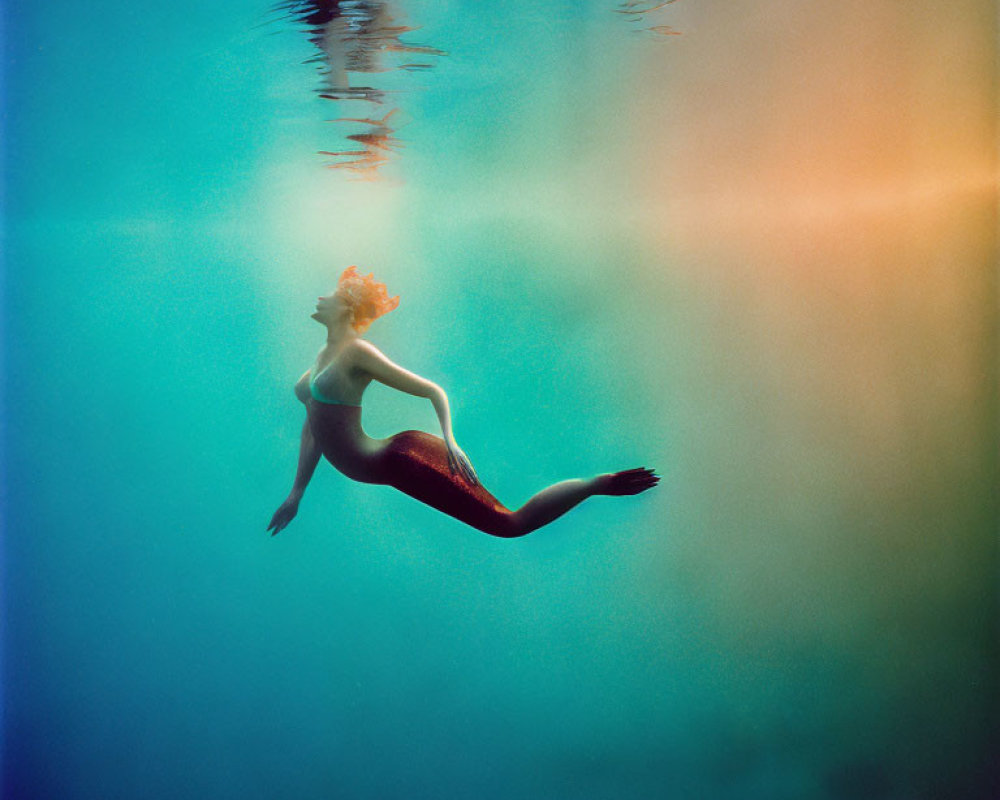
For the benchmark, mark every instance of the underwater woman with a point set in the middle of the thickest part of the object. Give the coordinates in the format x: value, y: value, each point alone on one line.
x: 432, y: 469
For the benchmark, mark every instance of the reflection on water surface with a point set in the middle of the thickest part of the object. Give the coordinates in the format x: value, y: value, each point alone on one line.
x: 364, y: 38
x: 361, y: 37
x: 636, y: 12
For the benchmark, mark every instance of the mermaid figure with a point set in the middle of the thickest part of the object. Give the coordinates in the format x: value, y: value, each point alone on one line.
x: 429, y: 468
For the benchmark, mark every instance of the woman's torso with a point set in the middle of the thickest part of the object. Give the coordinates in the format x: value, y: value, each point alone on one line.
x: 334, y: 379
x: 332, y: 392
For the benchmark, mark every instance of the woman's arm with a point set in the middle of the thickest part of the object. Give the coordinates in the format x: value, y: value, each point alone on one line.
x: 309, y: 454
x: 373, y: 361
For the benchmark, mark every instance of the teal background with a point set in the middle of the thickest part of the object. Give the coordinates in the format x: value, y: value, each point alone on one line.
x: 805, y: 607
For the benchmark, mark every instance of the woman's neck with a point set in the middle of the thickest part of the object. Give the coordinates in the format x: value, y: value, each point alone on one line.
x: 339, y: 335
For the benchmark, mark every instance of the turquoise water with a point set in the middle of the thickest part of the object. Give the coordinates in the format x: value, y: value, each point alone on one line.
x: 169, y: 225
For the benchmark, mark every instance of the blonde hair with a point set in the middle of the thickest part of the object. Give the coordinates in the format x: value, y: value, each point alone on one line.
x: 366, y: 296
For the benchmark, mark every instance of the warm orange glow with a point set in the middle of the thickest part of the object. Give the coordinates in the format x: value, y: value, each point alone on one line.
x: 780, y: 218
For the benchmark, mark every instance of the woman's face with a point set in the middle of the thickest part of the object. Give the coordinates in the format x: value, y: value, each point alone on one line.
x: 331, y: 308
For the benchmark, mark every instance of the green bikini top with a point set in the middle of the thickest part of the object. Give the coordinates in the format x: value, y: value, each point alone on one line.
x: 322, y: 398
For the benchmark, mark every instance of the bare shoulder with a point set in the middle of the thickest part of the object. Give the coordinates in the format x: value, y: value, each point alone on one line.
x: 368, y: 358
x: 363, y: 353
x: 364, y: 346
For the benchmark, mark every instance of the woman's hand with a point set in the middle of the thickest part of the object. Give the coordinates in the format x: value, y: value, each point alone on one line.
x: 286, y: 513
x: 459, y: 462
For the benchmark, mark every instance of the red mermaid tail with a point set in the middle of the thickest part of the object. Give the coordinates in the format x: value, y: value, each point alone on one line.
x: 417, y: 463
x: 414, y: 462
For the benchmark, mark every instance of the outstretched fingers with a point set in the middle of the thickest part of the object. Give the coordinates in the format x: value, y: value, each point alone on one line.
x: 281, y: 518
x: 464, y: 468
x: 470, y: 472
x: 459, y: 464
